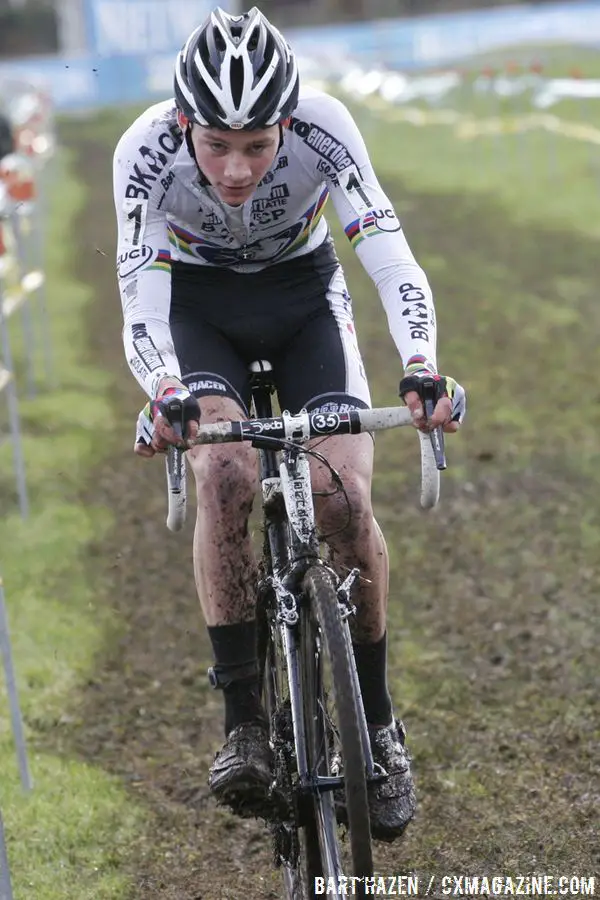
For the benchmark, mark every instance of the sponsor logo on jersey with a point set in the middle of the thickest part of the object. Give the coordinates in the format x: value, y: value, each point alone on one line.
x: 277, y: 198
x: 282, y: 163
x: 214, y: 226
x: 409, y: 293
x: 382, y: 219
x: 145, y: 348
x: 416, y: 310
x: 138, y: 366
x: 167, y: 181
x: 323, y: 143
x: 145, y: 173
x: 329, y: 171
x: 279, y: 191
x: 268, y: 178
x: 128, y: 263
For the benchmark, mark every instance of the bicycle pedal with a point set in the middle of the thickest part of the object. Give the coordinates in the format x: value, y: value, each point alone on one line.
x: 255, y: 804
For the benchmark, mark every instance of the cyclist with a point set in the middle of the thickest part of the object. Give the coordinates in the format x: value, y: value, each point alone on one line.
x: 225, y: 257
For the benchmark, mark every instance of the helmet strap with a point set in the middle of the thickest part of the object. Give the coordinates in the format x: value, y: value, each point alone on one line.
x: 190, y: 145
x: 282, y: 125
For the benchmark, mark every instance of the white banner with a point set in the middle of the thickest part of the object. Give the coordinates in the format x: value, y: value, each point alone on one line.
x: 130, y: 27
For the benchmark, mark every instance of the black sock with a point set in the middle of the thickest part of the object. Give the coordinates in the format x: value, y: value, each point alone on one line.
x: 235, y: 645
x: 371, y: 664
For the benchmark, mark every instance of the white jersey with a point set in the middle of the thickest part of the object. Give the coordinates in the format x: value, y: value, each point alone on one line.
x: 167, y: 211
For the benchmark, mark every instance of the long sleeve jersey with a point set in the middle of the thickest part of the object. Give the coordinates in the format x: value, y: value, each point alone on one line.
x: 167, y: 211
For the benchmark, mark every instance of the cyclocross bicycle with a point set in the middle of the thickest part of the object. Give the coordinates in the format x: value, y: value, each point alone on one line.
x: 309, y: 680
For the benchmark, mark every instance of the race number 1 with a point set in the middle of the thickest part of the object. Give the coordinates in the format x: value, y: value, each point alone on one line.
x: 354, y: 189
x: 134, y: 222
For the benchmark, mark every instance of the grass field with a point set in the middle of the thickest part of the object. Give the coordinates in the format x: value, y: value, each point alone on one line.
x: 493, y: 612
x: 539, y: 176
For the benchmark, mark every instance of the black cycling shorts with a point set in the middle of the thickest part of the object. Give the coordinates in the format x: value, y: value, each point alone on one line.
x: 296, y: 314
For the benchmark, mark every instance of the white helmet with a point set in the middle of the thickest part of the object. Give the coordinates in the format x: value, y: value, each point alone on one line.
x: 236, y: 72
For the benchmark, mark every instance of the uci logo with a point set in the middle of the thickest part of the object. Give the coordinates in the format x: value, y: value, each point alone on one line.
x: 128, y: 263
x: 385, y: 220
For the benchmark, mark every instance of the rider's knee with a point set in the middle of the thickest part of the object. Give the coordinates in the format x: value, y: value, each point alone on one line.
x: 347, y: 515
x: 225, y: 474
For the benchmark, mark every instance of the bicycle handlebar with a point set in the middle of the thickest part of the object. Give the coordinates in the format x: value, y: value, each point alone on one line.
x: 299, y: 429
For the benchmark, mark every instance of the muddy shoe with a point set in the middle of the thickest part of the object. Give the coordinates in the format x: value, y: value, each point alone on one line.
x: 242, y: 772
x: 392, y: 801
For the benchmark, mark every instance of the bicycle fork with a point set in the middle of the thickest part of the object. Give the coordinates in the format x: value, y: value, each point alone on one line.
x: 294, y: 486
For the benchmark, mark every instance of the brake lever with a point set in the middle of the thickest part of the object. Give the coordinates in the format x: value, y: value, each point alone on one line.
x: 437, y: 435
x: 175, y: 417
x: 175, y: 464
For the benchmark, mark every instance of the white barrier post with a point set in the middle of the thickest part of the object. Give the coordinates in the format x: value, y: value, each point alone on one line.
x: 13, y: 696
x: 37, y: 244
x: 5, y: 885
x: 20, y: 226
x: 7, y: 383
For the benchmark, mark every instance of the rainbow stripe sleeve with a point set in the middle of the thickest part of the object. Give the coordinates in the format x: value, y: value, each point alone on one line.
x: 162, y: 263
x: 361, y: 228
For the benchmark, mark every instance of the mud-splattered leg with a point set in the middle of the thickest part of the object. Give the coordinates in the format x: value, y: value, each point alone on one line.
x: 356, y: 540
x: 226, y: 482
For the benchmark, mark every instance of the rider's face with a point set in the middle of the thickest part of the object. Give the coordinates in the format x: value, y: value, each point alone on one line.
x: 235, y: 161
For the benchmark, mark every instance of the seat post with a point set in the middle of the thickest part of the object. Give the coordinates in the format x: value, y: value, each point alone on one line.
x: 261, y: 387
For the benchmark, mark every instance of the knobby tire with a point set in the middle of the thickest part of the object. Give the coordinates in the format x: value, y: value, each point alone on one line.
x: 320, y: 588
x: 321, y: 852
x: 296, y: 884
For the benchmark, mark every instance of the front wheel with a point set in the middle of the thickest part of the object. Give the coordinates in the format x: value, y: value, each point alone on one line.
x: 295, y: 845
x: 334, y: 727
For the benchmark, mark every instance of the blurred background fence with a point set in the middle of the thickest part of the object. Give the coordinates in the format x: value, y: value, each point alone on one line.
x: 26, y: 143
x: 25, y: 114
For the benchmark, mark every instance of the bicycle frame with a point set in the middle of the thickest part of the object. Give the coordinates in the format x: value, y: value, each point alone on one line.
x: 287, y: 500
